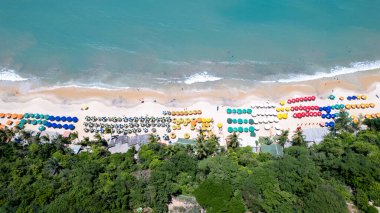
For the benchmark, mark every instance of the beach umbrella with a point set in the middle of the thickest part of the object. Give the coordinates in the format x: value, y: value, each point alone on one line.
x: 34, y: 122
x: 26, y: 115
x: 239, y: 111
x: 240, y: 121
x: 252, y: 134
x: 63, y: 119
x: 240, y: 129
x: 364, y: 97
x: 289, y: 101
x: 331, y: 97
x: 71, y: 127
x: 69, y: 119
x: 372, y: 105
x: 41, y: 128
x: 249, y: 111
x: 246, y: 129
x: 186, y: 136
x: 57, y: 118
x: 235, y: 129
x: 59, y: 126
x: 277, y: 127
x: 229, y: 120
x: 51, y: 118
x: 328, y: 116
x: 229, y: 111
x: 220, y: 125
x: 244, y: 111
x: 245, y: 121
x: 54, y: 125
x: 250, y: 121
x: 234, y: 111
x: 234, y: 121
x: 266, y: 127
x: 75, y: 119
x: 282, y: 102
x: 65, y: 126
x: 257, y: 128
x: 39, y: 121
x: 251, y: 129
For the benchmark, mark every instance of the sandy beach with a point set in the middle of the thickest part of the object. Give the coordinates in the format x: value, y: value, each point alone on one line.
x: 263, y: 99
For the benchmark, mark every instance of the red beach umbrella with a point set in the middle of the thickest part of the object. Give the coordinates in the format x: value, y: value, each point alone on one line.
x: 313, y: 98
x: 289, y: 101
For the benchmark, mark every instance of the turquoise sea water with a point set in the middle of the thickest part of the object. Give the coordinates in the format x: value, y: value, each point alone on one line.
x: 151, y: 43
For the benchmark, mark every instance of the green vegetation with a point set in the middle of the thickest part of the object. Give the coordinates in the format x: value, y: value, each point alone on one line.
x: 43, y: 175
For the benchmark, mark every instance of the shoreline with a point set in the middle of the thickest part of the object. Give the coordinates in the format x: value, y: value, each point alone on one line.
x: 213, y: 103
x: 175, y: 96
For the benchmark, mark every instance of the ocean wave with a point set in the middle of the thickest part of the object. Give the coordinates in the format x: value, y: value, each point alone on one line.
x: 201, y: 78
x: 212, y: 62
x: 10, y: 75
x: 335, y: 71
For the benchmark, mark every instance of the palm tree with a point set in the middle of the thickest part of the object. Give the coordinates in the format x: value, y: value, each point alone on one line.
x: 298, y: 138
x: 153, y: 138
x: 53, y: 166
x: 108, y: 131
x: 283, y: 137
x: 73, y: 136
x: 233, y: 141
x: 85, y: 141
x: 343, y: 122
x: 45, y: 138
x: 6, y: 134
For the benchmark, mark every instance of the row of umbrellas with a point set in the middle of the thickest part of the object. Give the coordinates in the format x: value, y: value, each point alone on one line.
x: 120, y: 131
x: 51, y: 117
x: 130, y: 125
x: 239, y: 111
x: 128, y: 119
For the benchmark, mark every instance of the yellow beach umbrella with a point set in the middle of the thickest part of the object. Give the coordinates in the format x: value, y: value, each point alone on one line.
x: 278, y: 109
x: 372, y: 105
x: 348, y: 106
x: 174, y: 127
x: 279, y: 116
x: 285, y: 116
x: 178, y: 127
x: 287, y: 109
x: 356, y: 120
x: 353, y: 106
x: 172, y: 135
x: 362, y: 106
x: 367, y: 115
x: 373, y: 115
x: 378, y: 115
x: 282, y: 102
x: 192, y: 128
x: 341, y: 98
x: 220, y: 125
x: 186, y: 136
x: 364, y: 97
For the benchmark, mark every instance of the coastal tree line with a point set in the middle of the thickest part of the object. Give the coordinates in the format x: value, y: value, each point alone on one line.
x: 43, y: 175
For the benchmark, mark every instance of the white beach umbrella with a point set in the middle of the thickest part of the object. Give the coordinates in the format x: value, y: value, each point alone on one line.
x: 257, y: 128
x: 266, y: 127
x: 276, y: 120
x: 271, y: 120
x: 277, y: 127
x: 278, y: 132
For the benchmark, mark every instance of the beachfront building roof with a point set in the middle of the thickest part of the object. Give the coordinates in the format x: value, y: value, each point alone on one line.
x: 274, y: 149
x: 119, y: 148
x: 130, y: 140
x: 315, y: 135
x: 75, y: 148
x: 184, y: 141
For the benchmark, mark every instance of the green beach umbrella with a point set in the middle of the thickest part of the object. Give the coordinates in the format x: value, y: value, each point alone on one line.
x: 251, y: 121
x: 230, y: 129
x: 44, y: 122
x: 239, y: 111
x: 245, y: 121
x: 23, y: 121
x: 21, y: 126
x: 240, y: 129
x: 249, y: 111
x: 240, y: 121
x: 235, y: 129
x: 229, y: 111
x: 41, y: 128
x: 46, y: 116
x: 234, y: 121
x: 34, y: 122
x: 337, y: 106
x: 229, y: 120
x: 332, y: 97
x: 253, y: 134
x: 332, y: 106
x: 234, y: 111
x: 37, y: 116
x: 39, y: 121
x: 245, y: 129
x: 31, y: 115
x: 244, y: 111
x: 251, y: 129
x: 26, y: 115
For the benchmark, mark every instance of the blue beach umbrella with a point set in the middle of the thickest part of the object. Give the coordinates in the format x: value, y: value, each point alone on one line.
x: 323, y: 116
x: 75, y: 119
x: 63, y: 118
x: 51, y: 118
x: 34, y: 122
x: 71, y: 127
x: 328, y: 116
x: 65, y: 126
x: 57, y: 118
x: 48, y: 124
x: 59, y: 126
x: 69, y: 119
x: 54, y: 125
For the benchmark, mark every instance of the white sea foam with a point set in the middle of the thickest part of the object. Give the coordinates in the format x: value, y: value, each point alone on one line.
x: 335, y: 71
x: 10, y: 75
x: 201, y: 78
